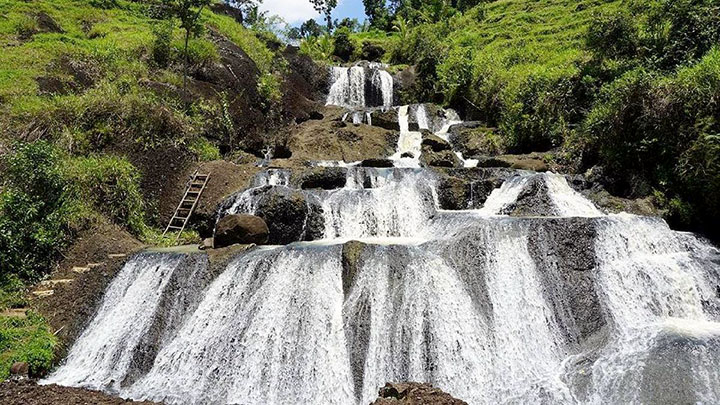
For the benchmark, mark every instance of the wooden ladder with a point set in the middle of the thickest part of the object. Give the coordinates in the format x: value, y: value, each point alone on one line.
x: 188, y: 203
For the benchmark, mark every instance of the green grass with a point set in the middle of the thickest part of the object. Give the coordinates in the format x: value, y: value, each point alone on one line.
x: 28, y: 340
x: 117, y: 41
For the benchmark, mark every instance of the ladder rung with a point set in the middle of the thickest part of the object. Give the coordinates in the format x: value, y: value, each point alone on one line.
x: 180, y: 218
x: 174, y: 227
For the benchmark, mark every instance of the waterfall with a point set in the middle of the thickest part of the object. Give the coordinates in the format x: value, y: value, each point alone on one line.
x: 361, y: 86
x: 574, y: 308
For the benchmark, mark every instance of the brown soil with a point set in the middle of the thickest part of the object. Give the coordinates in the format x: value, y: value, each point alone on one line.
x: 30, y: 393
x: 72, y: 304
x: 225, y: 179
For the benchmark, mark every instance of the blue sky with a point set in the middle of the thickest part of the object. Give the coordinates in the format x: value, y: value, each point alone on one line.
x: 298, y: 11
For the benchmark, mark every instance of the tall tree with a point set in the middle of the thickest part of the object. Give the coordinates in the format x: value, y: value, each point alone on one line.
x: 325, y: 7
x: 377, y: 13
x: 188, y: 12
x: 310, y: 28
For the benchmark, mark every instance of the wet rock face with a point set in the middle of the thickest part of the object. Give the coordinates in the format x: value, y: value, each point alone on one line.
x: 468, y: 188
x: 564, y: 252
x: 351, y: 253
x: 326, y: 178
x: 380, y: 163
x: 414, y: 394
x: 290, y: 215
x: 444, y: 158
x: 533, y: 200
x: 389, y: 120
x: 434, y: 142
x: 241, y: 229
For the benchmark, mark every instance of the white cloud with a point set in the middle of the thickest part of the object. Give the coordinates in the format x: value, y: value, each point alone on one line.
x: 292, y: 11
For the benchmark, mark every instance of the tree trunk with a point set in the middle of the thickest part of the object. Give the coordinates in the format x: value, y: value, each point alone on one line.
x: 186, y: 59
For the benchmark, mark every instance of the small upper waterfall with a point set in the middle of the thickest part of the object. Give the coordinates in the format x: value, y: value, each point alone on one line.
x: 367, y: 85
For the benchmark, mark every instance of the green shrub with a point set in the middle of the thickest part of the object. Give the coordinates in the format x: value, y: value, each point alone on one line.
x: 201, y: 53
x: 613, y: 36
x: 162, y: 50
x: 36, y: 213
x: 111, y: 185
x: 26, y: 339
x: 617, y: 132
x: 343, y: 46
x: 269, y: 87
x: 204, y: 149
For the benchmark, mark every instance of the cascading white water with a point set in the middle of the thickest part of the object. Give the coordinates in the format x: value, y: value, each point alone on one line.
x: 348, y: 87
x: 382, y: 80
x: 409, y: 147
x: 572, y: 307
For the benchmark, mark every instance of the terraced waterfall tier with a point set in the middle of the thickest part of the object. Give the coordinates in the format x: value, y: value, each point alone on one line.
x: 562, y: 305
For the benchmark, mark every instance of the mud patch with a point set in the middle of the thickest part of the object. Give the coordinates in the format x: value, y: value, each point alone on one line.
x: 30, y: 393
x: 91, y: 263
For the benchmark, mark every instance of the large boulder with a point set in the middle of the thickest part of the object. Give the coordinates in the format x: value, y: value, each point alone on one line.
x: 468, y: 188
x: 332, y: 139
x: 474, y: 140
x: 414, y: 394
x: 389, y: 120
x: 434, y: 142
x: 291, y: 215
x: 241, y: 229
x: 445, y: 158
x: 455, y: 193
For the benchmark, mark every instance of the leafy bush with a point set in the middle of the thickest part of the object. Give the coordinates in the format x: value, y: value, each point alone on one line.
x: 111, y: 185
x: 613, y: 36
x: 319, y: 48
x: 162, y: 44
x: 204, y: 149
x: 47, y: 197
x: 35, y: 212
x: 343, y: 46
x: 26, y: 339
x: 201, y: 53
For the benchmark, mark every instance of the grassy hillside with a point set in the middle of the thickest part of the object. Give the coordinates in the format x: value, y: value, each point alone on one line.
x: 92, y: 105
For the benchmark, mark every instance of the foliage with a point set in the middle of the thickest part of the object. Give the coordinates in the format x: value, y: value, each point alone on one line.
x: 161, y: 48
x: 343, y: 46
x: 111, y: 185
x: 311, y: 28
x: 26, y: 339
x: 319, y: 48
x: 325, y: 7
x: 47, y: 196
x: 35, y: 212
x: 204, y: 150
x: 189, y: 13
